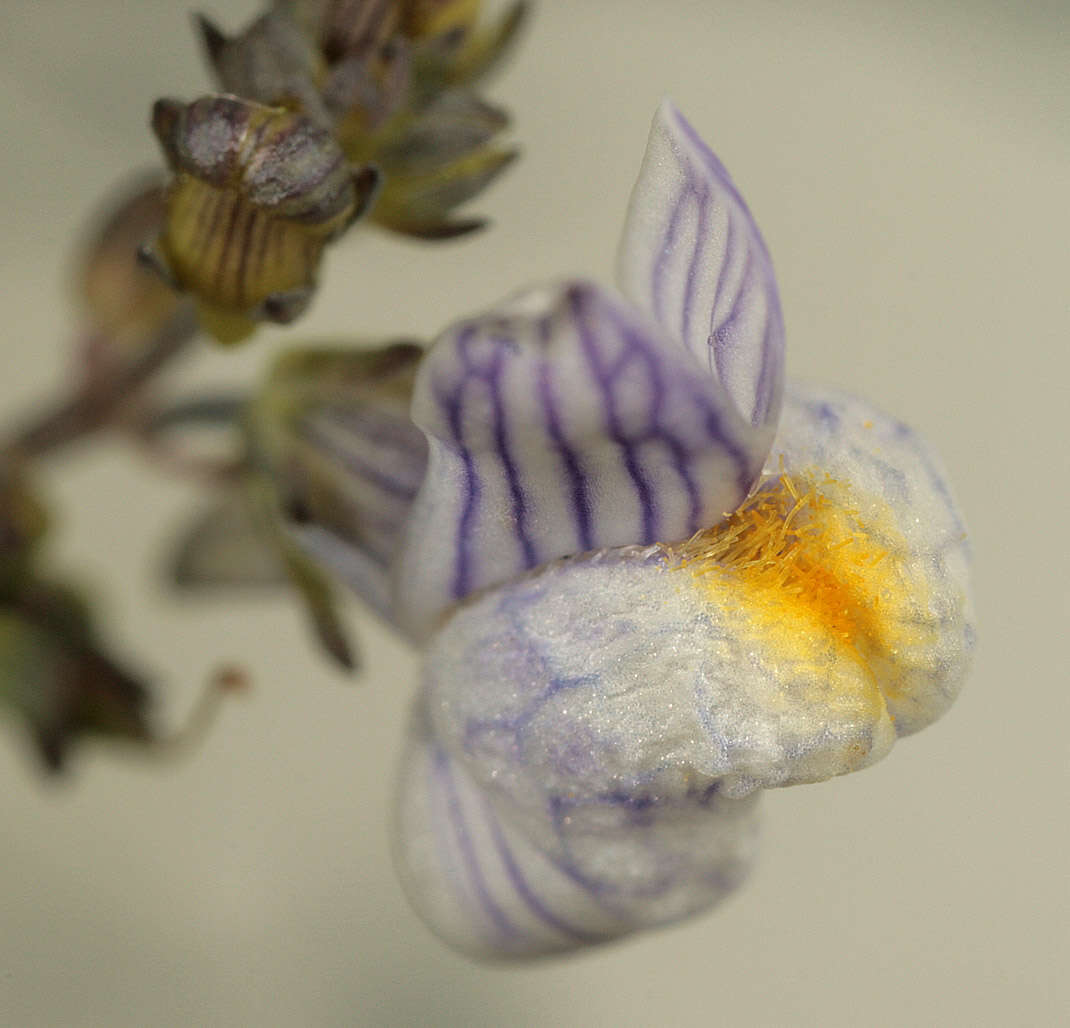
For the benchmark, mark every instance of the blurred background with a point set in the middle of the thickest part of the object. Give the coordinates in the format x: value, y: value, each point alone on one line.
x: 909, y: 164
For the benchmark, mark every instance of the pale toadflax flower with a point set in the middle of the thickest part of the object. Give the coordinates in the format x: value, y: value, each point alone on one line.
x: 648, y: 580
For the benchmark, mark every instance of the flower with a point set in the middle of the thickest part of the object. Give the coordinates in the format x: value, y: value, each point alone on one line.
x: 649, y: 580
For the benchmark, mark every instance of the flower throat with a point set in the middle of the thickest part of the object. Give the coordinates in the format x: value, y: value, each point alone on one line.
x: 797, y: 547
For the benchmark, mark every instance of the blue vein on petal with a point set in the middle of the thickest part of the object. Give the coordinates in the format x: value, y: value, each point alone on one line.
x: 519, y: 723
x: 442, y: 820
x: 608, y: 896
x: 937, y: 482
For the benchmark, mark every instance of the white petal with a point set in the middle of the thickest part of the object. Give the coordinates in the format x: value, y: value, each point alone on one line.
x: 692, y: 257
x: 586, y: 875
x: 624, y: 672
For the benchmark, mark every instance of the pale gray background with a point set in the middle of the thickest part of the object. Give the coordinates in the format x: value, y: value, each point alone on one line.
x: 909, y: 164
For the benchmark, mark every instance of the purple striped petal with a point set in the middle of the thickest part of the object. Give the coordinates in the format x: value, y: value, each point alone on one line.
x: 560, y: 423
x: 331, y: 431
x: 374, y: 461
x: 692, y: 257
x: 576, y: 877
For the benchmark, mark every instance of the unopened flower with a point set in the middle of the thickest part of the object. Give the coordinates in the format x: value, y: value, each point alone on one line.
x: 319, y: 414
x: 390, y: 82
x: 323, y: 409
x: 330, y: 432
x: 257, y: 194
x: 271, y: 61
x: 452, y: 40
x: 342, y: 28
x: 649, y: 582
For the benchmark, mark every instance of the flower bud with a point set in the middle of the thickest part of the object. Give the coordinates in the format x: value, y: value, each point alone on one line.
x: 436, y: 161
x: 257, y: 194
x: 330, y: 431
x: 342, y: 28
x: 272, y: 61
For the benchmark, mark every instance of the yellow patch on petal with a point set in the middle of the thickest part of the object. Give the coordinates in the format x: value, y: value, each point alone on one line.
x: 809, y: 568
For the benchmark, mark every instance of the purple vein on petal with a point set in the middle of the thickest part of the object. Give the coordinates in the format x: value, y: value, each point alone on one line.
x: 680, y: 466
x: 717, y: 296
x: 720, y: 172
x: 702, y: 202
x: 721, y: 334
x: 667, y: 248
x: 376, y: 476
x: 747, y: 465
x: 501, y: 441
x: 577, y: 482
x: 472, y: 866
x: 725, y: 280
x: 604, y: 378
x: 526, y: 893
x: 453, y: 404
